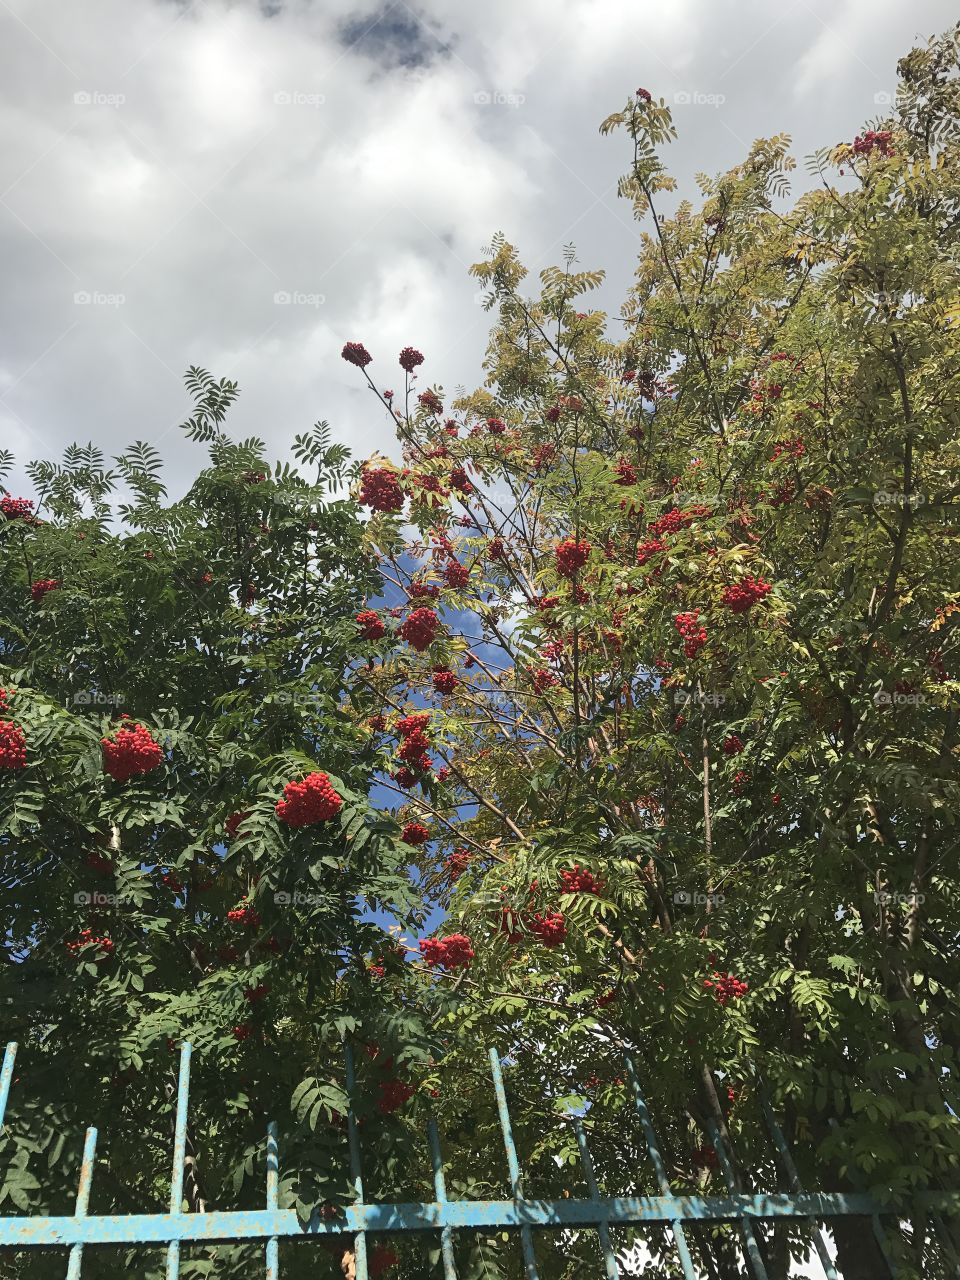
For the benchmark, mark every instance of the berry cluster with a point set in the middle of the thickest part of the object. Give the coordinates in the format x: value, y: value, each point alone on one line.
x: 580, y: 880
x: 571, y: 556
x: 16, y: 508
x: 431, y: 401
x: 415, y: 833
x: 393, y: 1094
x: 382, y: 1258
x: 675, y: 519
x: 356, y: 353
x: 453, y: 952
x: 444, y: 681
x: 40, y: 588
x: 459, y: 481
x: 371, y: 625
x: 648, y: 549
x: 409, y: 359
x: 542, y: 680
x: 309, y: 801
x: 732, y: 744
x: 380, y: 489
x: 740, y: 780
x: 232, y: 824
x: 241, y: 1031
x: 243, y: 914
x: 456, y: 574
x: 551, y: 929
x: 496, y: 426
x: 88, y: 938
x: 644, y: 95
x: 130, y: 753
x: 794, y: 448
x: 544, y: 454
x: 456, y: 863
x: 626, y: 471
x: 693, y: 634
x: 726, y: 988
x: 743, y: 595
x: 873, y: 140
x: 420, y: 629
x: 13, y: 746
x: 254, y: 994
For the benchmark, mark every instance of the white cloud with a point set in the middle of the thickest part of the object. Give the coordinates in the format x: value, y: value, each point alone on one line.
x: 338, y: 149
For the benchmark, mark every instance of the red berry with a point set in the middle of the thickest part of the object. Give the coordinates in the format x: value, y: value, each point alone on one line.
x: 356, y: 353
x: 130, y: 753
x: 371, y: 625
x: 312, y: 800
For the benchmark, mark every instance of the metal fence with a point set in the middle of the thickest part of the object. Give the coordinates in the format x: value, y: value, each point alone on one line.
x: 270, y: 1224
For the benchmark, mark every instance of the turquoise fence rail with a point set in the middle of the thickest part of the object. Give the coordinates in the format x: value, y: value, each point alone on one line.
x: 271, y: 1224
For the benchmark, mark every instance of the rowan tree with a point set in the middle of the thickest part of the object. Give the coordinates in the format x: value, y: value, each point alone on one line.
x: 188, y: 848
x: 668, y: 680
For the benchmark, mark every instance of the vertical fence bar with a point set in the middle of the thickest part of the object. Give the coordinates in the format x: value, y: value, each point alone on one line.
x: 83, y: 1199
x: 179, y: 1156
x: 356, y: 1172
x: 750, y: 1246
x: 679, y: 1235
x: 6, y: 1077
x: 273, y: 1198
x: 609, y: 1258
x: 780, y: 1142
x: 440, y: 1191
x: 516, y: 1182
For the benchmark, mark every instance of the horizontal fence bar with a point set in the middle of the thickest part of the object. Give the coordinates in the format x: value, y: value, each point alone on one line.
x: 257, y: 1224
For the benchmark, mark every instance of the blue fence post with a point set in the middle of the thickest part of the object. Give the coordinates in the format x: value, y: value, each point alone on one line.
x: 679, y: 1235
x: 83, y: 1199
x: 273, y: 1199
x: 356, y: 1172
x: 516, y: 1182
x: 440, y: 1191
x: 6, y: 1076
x: 750, y: 1246
x: 609, y: 1257
x: 179, y: 1157
x: 780, y: 1142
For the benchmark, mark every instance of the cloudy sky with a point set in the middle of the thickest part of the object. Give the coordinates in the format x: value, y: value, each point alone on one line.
x: 246, y: 186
